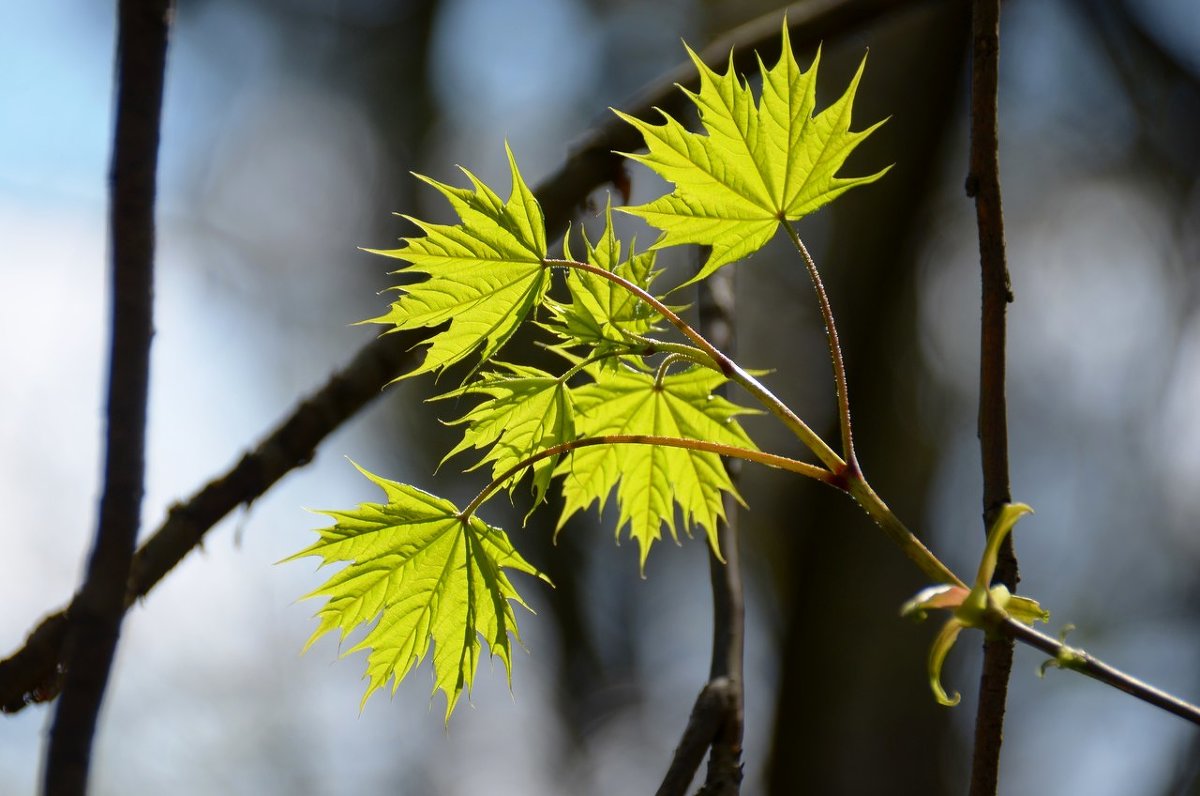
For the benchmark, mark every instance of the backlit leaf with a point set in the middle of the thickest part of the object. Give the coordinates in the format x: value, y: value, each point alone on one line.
x: 757, y: 165
x: 527, y: 411
x: 651, y: 480
x: 601, y: 313
x: 421, y: 578
x: 485, y: 274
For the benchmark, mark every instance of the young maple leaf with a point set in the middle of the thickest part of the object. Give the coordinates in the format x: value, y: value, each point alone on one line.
x: 652, y: 479
x: 758, y: 165
x: 424, y: 577
x: 528, y: 410
x: 485, y: 274
x: 601, y: 313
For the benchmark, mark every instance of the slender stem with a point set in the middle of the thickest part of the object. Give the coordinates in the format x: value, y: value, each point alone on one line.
x: 682, y: 350
x: 835, y: 349
x: 983, y: 183
x: 724, y: 364
x: 565, y: 377
x: 665, y: 365
x: 666, y: 312
x: 784, y: 414
x: 767, y: 459
x: 1077, y: 660
x: 94, y: 623
x: 895, y: 530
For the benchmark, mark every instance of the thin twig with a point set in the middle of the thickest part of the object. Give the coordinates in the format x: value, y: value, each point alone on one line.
x: 93, y: 627
x: 719, y: 361
x: 898, y: 532
x: 983, y: 183
x: 724, y: 777
x: 709, y: 710
x: 1075, y: 659
x: 835, y: 349
x: 703, y: 446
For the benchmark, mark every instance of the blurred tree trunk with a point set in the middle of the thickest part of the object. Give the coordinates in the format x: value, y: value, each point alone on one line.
x: 852, y: 713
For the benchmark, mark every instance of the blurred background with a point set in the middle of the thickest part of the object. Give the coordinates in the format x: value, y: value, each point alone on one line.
x: 290, y: 130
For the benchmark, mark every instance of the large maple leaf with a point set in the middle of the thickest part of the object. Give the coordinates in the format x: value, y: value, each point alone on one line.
x: 485, y: 274
x: 757, y: 166
x: 425, y: 578
x: 652, y: 479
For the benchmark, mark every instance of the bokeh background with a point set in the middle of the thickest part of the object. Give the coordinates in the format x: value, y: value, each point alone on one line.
x: 290, y: 130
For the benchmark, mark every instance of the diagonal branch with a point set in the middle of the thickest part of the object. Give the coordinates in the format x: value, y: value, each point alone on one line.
x: 92, y: 629
x: 33, y: 672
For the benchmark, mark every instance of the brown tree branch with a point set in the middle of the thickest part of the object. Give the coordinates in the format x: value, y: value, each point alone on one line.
x: 1077, y: 660
x: 724, y: 777
x: 704, y: 724
x: 92, y: 629
x: 32, y: 673
x: 983, y: 183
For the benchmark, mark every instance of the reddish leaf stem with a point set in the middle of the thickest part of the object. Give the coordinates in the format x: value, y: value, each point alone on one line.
x: 767, y: 459
x: 835, y: 348
x: 719, y: 361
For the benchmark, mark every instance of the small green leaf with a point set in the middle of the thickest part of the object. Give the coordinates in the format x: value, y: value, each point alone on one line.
x: 757, y: 166
x: 1009, y: 514
x: 485, y: 274
x: 602, y: 314
x: 937, y: 656
x: 528, y: 411
x: 980, y: 607
x: 425, y: 578
x: 650, y: 479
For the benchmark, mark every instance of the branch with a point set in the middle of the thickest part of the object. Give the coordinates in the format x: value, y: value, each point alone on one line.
x: 983, y: 183
x: 1064, y: 656
x: 711, y: 707
x: 92, y: 629
x: 724, y: 778
x: 32, y: 673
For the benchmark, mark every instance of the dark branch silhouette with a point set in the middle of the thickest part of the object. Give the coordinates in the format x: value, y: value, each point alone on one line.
x: 983, y: 183
x: 93, y: 626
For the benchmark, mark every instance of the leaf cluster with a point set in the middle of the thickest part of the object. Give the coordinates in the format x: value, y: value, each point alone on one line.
x: 632, y: 412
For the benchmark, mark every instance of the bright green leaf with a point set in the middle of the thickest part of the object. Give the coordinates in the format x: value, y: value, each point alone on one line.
x: 527, y: 411
x: 601, y: 313
x: 424, y: 578
x: 757, y: 166
x: 650, y: 479
x: 979, y: 607
x: 937, y: 656
x: 485, y: 274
